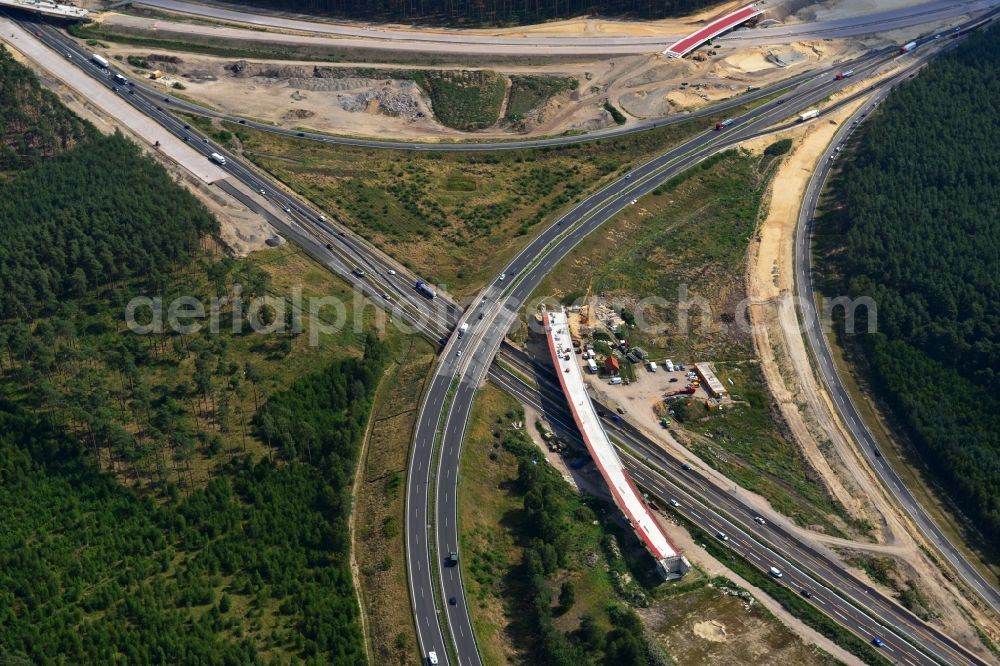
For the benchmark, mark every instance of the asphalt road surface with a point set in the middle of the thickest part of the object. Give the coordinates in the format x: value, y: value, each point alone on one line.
x: 805, y: 567
x: 462, y: 42
x: 448, y: 403
x: 465, y: 147
x: 850, y: 416
x: 432, y: 318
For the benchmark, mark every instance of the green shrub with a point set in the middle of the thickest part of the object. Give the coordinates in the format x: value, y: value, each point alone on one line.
x: 617, y: 115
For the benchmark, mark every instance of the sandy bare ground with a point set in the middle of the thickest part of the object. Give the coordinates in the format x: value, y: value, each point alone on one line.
x: 290, y: 93
x: 589, y: 480
x: 805, y: 405
x: 694, y: 552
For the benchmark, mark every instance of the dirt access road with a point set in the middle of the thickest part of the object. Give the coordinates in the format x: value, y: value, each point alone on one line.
x: 805, y: 405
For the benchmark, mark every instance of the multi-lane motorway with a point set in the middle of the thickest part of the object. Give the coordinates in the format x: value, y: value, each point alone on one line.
x: 832, y: 589
x: 815, y: 334
x: 432, y: 484
x: 432, y: 531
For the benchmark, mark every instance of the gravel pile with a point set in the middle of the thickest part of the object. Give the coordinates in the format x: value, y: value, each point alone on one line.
x: 396, y: 103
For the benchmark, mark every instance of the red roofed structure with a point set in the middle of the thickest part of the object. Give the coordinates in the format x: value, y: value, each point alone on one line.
x: 713, y: 29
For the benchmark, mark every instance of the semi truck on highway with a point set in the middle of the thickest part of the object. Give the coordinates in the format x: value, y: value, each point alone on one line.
x: 843, y: 75
x: 812, y: 113
x: 218, y: 159
x: 906, y: 48
x: 99, y: 60
x: 424, y: 290
x: 120, y: 79
x: 724, y: 124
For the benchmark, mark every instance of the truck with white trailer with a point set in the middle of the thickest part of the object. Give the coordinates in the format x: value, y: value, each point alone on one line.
x: 100, y: 60
x: 218, y: 159
x: 906, y: 48
x: 425, y: 290
x: 808, y: 115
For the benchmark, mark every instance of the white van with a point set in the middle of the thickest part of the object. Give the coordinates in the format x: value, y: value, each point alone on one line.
x: 775, y: 572
x: 615, y: 380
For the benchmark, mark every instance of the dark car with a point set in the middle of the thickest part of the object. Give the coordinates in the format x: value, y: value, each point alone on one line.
x: 452, y: 601
x: 300, y: 134
x: 242, y: 122
x: 452, y: 559
x: 187, y: 127
x: 686, y: 467
x: 329, y: 246
x: 807, y: 594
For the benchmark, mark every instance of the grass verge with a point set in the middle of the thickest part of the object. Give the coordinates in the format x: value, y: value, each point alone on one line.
x: 675, y: 261
x: 379, y: 517
x: 788, y: 599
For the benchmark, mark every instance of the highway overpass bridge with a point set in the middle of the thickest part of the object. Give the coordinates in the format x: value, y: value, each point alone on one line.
x: 720, y: 25
x: 46, y: 8
x: 669, y: 562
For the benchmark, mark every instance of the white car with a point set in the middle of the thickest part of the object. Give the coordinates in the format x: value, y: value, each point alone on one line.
x: 432, y: 658
x: 633, y: 201
x: 322, y: 218
x: 287, y: 209
x: 674, y: 503
x: 459, y: 354
x: 262, y: 192
x: 759, y: 520
x: 503, y: 276
x: 392, y: 272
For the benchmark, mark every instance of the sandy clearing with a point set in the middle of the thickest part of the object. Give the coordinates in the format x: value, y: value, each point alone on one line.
x: 806, y: 406
x: 579, y: 26
x: 589, y: 480
x: 645, y: 86
x: 682, y: 539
